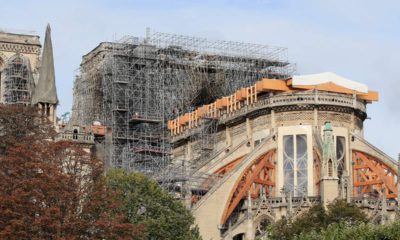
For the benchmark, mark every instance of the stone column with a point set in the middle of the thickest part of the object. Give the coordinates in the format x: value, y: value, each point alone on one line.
x: 228, y: 137
x: 315, y: 117
x: 289, y: 206
x: 250, y: 235
x: 249, y: 133
x: 189, y: 152
x: 273, y: 121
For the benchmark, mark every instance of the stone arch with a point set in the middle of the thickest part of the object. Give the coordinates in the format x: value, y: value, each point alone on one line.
x: 263, y: 216
x: 261, y: 222
x: 75, y: 134
x: 239, y: 236
x: 372, y: 175
x: 260, y: 173
x: 17, y: 81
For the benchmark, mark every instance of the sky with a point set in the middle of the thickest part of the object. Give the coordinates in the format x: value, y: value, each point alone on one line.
x: 356, y: 39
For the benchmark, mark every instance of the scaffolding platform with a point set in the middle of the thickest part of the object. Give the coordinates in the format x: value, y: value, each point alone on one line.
x: 139, y: 119
x: 134, y: 85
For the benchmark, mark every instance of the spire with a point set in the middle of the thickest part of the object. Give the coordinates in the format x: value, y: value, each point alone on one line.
x: 45, y: 91
x: 329, y: 160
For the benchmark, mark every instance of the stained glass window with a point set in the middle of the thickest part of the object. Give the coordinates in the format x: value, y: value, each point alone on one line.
x: 341, y: 154
x: 288, y: 162
x: 301, y: 162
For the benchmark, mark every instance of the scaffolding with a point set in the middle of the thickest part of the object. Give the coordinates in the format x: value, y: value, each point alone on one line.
x: 134, y: 85
x: 17, y: 81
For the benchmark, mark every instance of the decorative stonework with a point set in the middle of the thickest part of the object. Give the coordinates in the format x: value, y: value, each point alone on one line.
x: 293, y: 117
x: 10, y: 47
x: 3, y: 60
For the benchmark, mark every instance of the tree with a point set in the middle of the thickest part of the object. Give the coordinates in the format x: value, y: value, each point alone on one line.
x: 52, y: 190
x: 341, y: 211
x: 317, y: 219
x: 344, y: 231
x: 146, y: 203
x: 22, y: 123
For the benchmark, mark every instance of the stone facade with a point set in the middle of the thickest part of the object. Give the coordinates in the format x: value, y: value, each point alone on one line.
x: 25, y: 47
x: 311, y: 164
x: 26, y: 77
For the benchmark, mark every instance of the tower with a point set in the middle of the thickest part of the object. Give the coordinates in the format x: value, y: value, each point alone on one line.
x: 329, y: 175
x: 19, y: 66
x: 45, y: 93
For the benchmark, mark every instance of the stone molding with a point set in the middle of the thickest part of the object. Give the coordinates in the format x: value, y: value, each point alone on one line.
x: 11, y: 47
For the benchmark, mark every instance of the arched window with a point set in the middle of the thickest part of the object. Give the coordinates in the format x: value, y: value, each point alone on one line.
x: 341, y: 154
x: 330, y: 168
x: 75, y: 134
x: 17, y: 82
x: 295, y: 163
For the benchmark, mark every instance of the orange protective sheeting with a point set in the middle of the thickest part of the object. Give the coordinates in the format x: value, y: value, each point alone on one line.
x: 370, y: 96
x: 184, y: 119
x: 240, y: 94
x: 327, y: 87
x: 271, y: 85
x: 201, y: 111
x: 222, y: 102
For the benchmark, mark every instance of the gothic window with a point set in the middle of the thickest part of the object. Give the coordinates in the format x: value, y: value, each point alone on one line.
x: 288, y: 162
x: 341, y: 154
x: 330, y: 168
x: 75, y: 134
x: 295, y: 163
x: 301, y: 159
x: 17, y: 80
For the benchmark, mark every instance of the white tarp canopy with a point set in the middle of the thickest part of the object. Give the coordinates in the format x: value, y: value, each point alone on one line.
x: 326, y: 77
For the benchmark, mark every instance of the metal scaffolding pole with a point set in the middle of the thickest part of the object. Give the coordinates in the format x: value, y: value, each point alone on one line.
x: 134, y: 85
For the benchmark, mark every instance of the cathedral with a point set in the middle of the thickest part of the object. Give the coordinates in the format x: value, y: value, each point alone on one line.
x: 27, y: 72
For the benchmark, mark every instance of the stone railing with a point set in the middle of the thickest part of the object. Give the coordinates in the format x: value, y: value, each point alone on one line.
x: 307, y: 98
x: 76, y: 137
x: 372, y: 203
x: 284, y: 99
x: 277, y: 202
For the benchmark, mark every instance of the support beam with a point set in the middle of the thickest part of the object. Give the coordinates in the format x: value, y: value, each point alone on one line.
x: 257, y: 175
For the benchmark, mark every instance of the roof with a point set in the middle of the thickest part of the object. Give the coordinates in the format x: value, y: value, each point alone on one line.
x: 19, y: 37
x: 45, y: 91
x: 328, y: 77
x: 324, y: 82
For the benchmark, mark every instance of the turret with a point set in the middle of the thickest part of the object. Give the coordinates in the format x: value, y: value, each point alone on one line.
x: 329, y: 175
x: 329, y: 158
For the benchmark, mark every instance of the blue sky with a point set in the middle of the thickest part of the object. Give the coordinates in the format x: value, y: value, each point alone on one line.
x: 356, y: 39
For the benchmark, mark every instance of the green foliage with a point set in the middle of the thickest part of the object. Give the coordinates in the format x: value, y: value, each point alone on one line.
x: 316, y: 219
x: 147, y: 204
x: 340, y: 211
x: 344, y: 231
